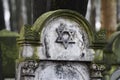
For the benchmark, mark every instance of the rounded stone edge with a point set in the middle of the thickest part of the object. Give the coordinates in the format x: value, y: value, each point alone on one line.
x: 40, y: 22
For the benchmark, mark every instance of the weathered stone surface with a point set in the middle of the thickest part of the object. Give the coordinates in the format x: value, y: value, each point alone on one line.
x: 63, y: 48
x: 79, y: 50
x: 52, y: 70
x: 62, y: 71
x: 116, y: 75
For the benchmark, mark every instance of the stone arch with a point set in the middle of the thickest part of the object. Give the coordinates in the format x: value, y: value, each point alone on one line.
x: 40, y: 22
x: 46, y: 26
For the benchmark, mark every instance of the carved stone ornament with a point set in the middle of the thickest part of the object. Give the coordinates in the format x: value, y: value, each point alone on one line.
x: 97, y: 71
x: 29, y: 68
x: 65, y: 36
x: 101, y: 35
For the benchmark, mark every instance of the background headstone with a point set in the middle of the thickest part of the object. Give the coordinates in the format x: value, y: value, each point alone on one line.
x: 9, y: 54
x: 112, y: 62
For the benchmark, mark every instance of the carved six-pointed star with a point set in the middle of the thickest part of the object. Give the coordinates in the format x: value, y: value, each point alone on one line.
x: 65, y: 36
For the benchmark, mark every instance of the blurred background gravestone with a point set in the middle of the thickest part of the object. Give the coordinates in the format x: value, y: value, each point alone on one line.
x: 9, y: 53
x: 112, y: 62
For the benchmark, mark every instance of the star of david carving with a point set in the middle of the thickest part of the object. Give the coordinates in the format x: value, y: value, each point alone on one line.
x: 65, y: 36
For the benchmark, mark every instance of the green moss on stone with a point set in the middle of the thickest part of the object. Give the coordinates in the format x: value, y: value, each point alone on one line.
x: 9, y: 52
x: 6, y: 33
x: 9, y: 55
x: 27, y: 34
x: 35, y: 54
x: 98, y: 56
x: 112, y: 49
x: 110, y: 58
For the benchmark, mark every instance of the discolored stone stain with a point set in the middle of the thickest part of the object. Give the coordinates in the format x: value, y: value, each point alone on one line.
x: 47, y: 48
x: 59, y: 71
x: 42, y: 66
x: 66, y: 72
x: 83, y: 54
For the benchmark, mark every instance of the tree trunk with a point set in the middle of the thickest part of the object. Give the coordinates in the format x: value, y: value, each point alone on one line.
x: 2, y: 23
x: 0, y: 64
x: 13, y: 15
x: 108, y: 16
x: 92, y: 13
x: 42, y: 6
x: 29, y: 10
x: 21, y: 13
x: 2, y: 26
x: 118, y: 11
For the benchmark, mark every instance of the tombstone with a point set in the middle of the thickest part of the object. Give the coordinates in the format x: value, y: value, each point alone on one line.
x: 9, y: 53
x: 56, y: 47
x: 112, y: 57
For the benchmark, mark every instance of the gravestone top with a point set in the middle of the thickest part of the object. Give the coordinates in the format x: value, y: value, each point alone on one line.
x: 41, y: 21
x: 62, y: 34
x: 6, y: 33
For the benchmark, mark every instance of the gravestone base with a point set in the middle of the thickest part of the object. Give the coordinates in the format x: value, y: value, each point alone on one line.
x: 55, y: 70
